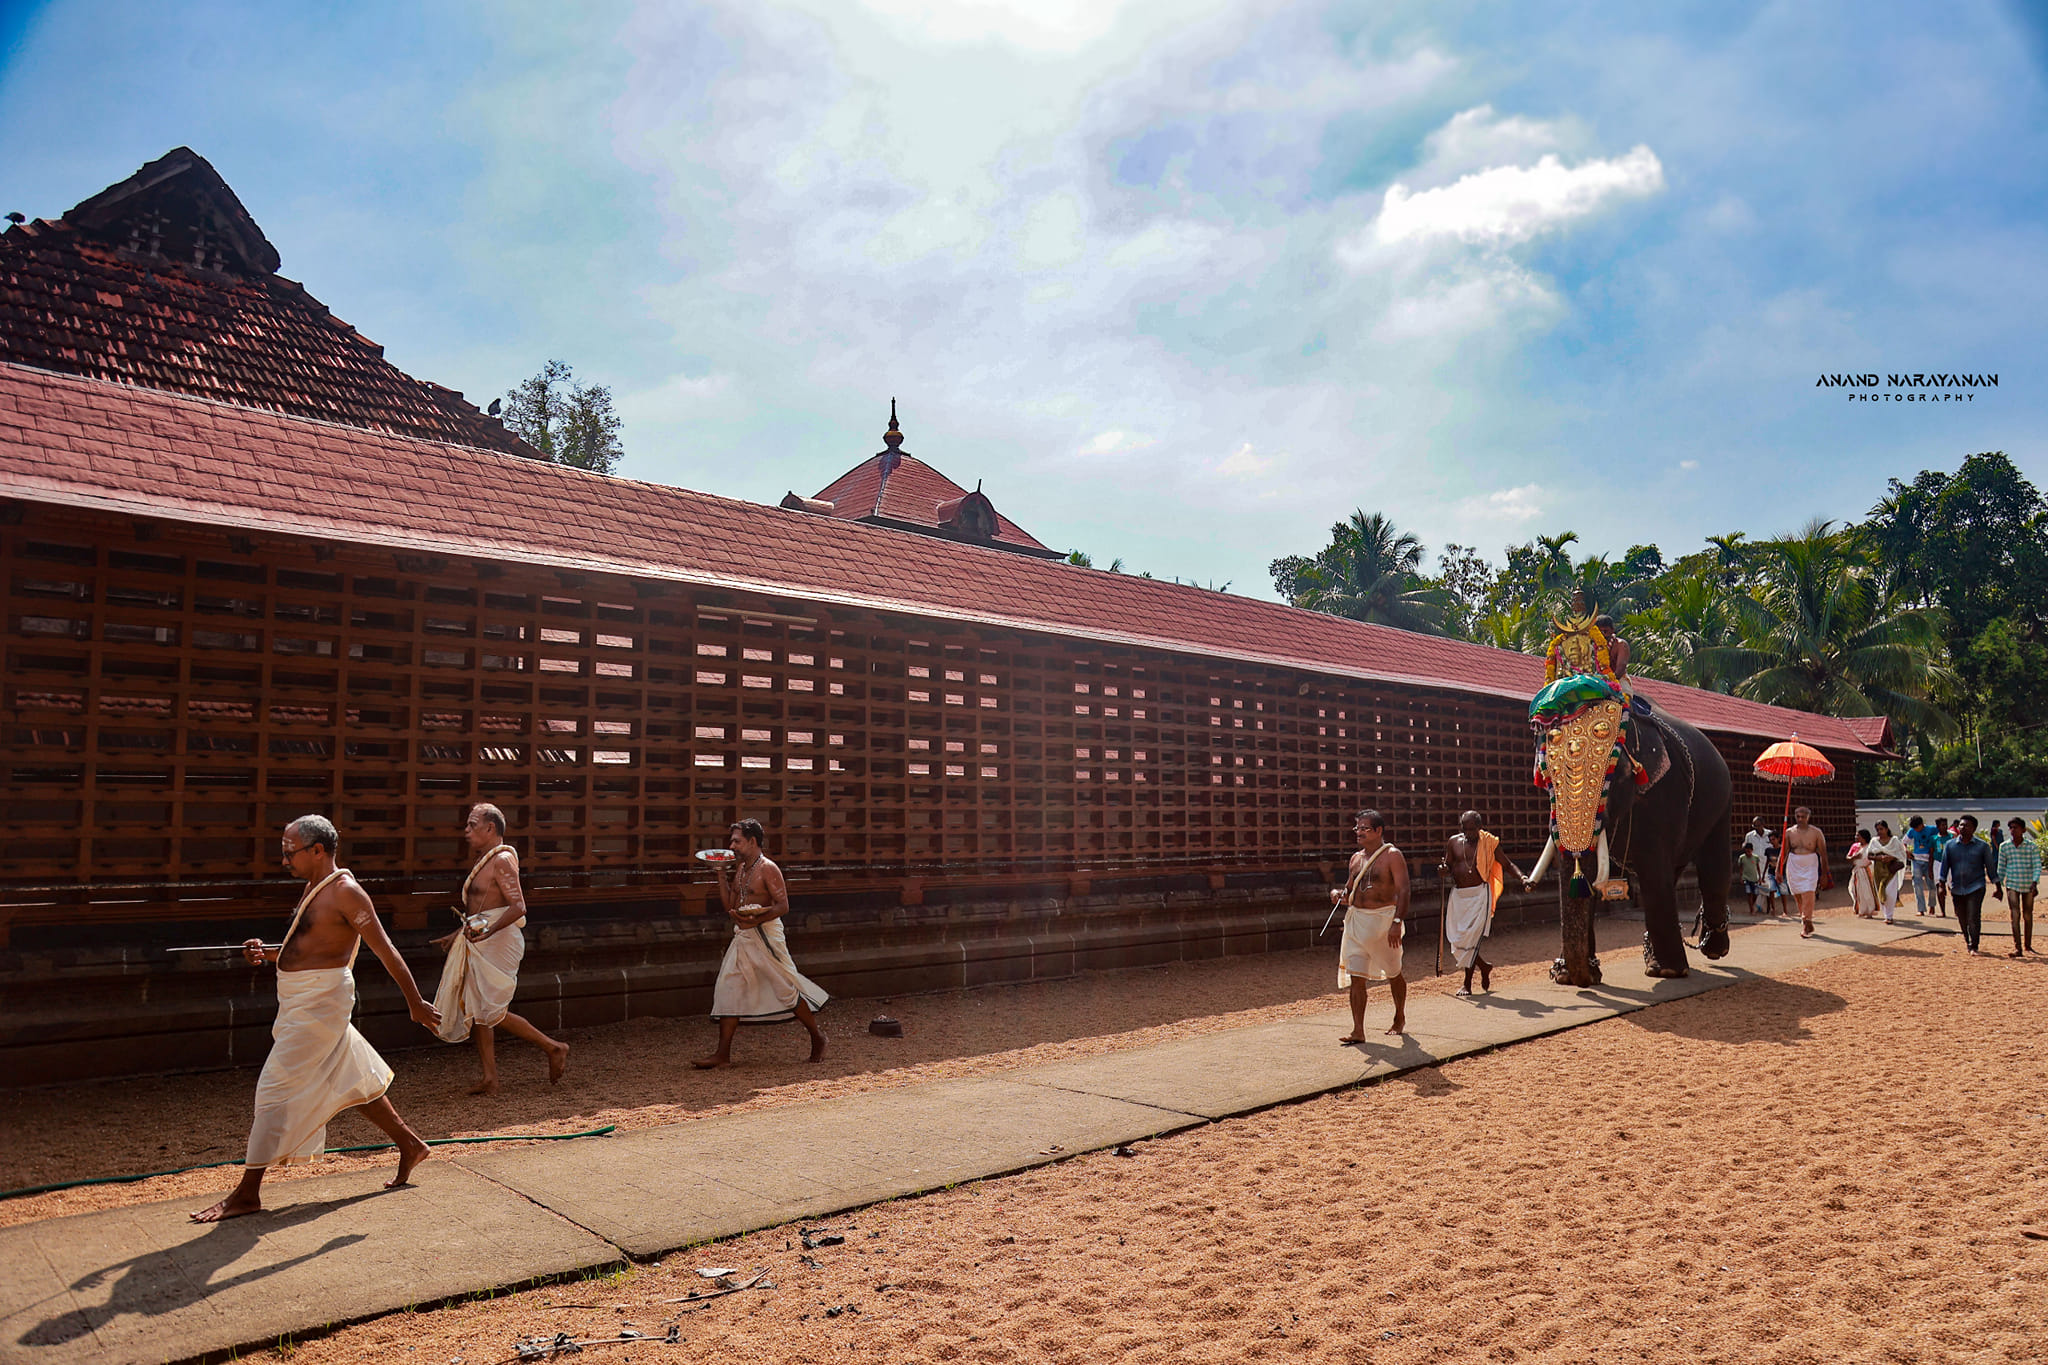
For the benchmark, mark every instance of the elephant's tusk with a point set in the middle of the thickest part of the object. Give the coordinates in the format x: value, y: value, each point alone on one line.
x: 1602, y: 879
x: 1543, y: 863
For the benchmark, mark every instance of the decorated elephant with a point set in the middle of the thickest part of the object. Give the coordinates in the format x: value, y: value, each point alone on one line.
x: 1635, y: 790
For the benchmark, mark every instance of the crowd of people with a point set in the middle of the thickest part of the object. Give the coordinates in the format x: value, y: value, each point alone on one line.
x: 1947, y: 867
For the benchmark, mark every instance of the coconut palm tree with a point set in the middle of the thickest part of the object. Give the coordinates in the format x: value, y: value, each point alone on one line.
x: 1521, y: 626
x: 1671, y: 639
x: 1370, y: 571
x: 1822, y: 633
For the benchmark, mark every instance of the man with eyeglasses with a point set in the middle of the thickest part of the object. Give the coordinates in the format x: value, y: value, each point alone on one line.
x: 318, y: 1064
x: 477, y: 984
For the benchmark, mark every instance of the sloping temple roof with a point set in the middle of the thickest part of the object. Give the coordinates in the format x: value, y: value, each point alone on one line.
x: 165, y: 281
x: 89, y: 443
x: 895, y: 488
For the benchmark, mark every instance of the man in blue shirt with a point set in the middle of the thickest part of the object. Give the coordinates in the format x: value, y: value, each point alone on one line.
x: 1920, y: 839
x: 1968, y: 860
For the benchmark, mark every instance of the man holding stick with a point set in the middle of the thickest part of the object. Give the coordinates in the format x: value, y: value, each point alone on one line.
x: 475, y: 994
x: 318, y: 1064
x: 1478, y: 876
x: 1375, y: 897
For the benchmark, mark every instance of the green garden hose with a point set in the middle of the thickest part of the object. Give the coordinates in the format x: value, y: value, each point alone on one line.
x: 366, y: 1147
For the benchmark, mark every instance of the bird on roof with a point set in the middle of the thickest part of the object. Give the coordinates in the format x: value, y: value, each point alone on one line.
x: 497, y: 406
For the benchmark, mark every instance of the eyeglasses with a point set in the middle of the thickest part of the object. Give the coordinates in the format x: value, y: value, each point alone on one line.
x: 287, y: 854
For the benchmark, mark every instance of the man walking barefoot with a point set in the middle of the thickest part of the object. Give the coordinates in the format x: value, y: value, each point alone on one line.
x: 482, y: 972
x: 318, y: 1064
x: 1806, y: 854
x: 1478, y: 875
x: 758, y: 983
x: 1375, y: 895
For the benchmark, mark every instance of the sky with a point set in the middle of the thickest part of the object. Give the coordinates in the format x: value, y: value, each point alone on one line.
x: 1180, y: 282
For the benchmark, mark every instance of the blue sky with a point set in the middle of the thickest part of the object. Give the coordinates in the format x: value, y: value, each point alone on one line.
x: 1180, y: 280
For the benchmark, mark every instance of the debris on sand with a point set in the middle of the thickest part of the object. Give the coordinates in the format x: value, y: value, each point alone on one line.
x: 725, y: 1284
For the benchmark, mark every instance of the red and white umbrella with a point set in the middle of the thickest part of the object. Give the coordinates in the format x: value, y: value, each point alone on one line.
x: 1792, y: 763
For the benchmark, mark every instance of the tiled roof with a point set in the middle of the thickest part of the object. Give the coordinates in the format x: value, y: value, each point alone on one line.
x: 913, y: 494
x: 1876, y: 731
x: 164, y: 281
x: 895, y: 487
x: 84, y: 443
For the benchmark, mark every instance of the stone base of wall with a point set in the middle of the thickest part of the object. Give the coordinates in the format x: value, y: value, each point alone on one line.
x: 76, y: 1014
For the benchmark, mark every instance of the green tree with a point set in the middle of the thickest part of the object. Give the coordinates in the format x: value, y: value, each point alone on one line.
x: 1370, y: 572
x: 568, y: 422
x: 1470, y: 583
x: 1690, y: 617
x: 1821, y: 633
x: 1974, y: 543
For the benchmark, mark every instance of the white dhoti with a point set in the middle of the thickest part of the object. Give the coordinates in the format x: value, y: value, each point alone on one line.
x: 1468, y: 917
x: 477, y: 981
x: 1862, y: 895
x: 1802, y: 873
x: 318, y: 1066
x: 1365, y: 952
x: 757, y: 982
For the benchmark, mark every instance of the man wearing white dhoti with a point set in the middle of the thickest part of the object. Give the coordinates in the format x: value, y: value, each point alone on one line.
x: 482, y: 972
x: 318, y: 1064
x: 1478, y: 875
x: 758, y: 983
x: 1375, y: 897
x: 1806, y: 854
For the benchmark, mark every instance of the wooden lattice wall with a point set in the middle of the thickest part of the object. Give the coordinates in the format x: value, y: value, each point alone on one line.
x: 174, y: 693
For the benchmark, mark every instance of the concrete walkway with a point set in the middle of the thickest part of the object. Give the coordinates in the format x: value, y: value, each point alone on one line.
x: 143, y: 1284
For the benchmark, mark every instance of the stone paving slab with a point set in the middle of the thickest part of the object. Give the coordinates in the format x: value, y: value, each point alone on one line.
x: 144, y: 1284
x: 661, y: 1188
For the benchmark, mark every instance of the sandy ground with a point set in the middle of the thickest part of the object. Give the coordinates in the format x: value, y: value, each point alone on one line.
x: 1841, y: 1165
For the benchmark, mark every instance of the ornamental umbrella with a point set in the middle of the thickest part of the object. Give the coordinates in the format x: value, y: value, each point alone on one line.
x: 1791, y: 763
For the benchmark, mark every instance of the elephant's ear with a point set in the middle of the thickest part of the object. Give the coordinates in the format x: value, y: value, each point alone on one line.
x: 1653, y: 750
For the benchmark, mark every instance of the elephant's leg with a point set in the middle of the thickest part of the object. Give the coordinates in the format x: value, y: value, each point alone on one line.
x: 1710, y: 862
x: 1663, y: 942
x: 1575, y: 927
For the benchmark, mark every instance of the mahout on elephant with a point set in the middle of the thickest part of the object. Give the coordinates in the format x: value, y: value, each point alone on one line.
x: 1633, y: 786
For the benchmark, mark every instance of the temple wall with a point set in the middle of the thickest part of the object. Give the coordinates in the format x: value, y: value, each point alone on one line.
x: 174, y: 693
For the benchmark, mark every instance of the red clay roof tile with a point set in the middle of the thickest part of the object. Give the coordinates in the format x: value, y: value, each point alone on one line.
x: 289, y: 474
x: 164, y: 282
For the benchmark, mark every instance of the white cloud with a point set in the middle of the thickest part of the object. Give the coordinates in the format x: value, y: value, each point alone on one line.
x: 1510, y: 505
x: 1688, y: 464
x: 1050, y: 26
x: 1479, y: 139
x: 1115, y: 443
x: 677, y: 398
x: 1246, y: 463
x: 1506, y: 205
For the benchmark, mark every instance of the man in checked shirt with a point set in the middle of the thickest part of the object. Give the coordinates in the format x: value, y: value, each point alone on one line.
x: 2019, y: 873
